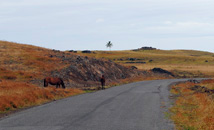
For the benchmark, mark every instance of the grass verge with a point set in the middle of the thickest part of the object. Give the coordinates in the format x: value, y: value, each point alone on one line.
x: 194, y: 105
x: 17, y: 95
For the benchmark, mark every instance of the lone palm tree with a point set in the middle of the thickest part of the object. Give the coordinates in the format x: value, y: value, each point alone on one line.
x: 109, y: 45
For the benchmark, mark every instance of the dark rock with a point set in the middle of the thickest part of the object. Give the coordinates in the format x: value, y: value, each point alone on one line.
x: 139, y: 59
x: 202, y: 89
x: 131, y: 59
x: 139, y: 62
x: 194, y: 81
x: 72, y: 51
x: 56, y: 50
x: 134, y: 59
x: 86, y: 51
x: 134, y: 68
x: 145, y: 48
x: 130, y: 62
x: 159, y: 70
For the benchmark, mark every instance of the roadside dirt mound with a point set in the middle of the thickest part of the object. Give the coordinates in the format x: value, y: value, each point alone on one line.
x: 85, y: 71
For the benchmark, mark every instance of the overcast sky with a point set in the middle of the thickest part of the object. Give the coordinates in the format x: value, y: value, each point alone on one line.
x: 90, y: 24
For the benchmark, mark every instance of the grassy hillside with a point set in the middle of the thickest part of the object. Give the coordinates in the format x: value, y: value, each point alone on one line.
x: 19, y: 66
x: 24, y: 62
x: 183, y: 63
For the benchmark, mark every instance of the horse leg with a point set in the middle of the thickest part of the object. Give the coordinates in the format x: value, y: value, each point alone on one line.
x: 45, y: 83
x: 63, y: 85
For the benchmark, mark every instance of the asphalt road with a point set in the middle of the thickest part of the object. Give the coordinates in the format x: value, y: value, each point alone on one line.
x: 135, y: 106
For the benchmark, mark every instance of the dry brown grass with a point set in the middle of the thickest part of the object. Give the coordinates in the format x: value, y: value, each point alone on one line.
x: 191, y: 70
x: 15, y: 95
x: 23, y: 62
x: 193, y: 110
x: 19, y: 65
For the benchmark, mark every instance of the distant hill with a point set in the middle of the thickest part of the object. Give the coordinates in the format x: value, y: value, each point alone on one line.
x: 183, y: 63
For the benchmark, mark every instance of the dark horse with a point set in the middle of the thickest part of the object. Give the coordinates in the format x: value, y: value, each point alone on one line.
x: 102, y: 80
x: 54, y: 81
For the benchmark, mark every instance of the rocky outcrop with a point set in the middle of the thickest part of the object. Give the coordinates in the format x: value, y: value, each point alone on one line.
x: 161, y: 71
x: 85, y: 71
x: 145, y: 48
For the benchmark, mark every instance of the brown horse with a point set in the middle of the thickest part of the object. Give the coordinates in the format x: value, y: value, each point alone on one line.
x: 54, y: 81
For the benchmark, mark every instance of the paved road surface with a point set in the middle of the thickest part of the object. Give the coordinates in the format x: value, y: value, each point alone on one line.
x: 135, y: 106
